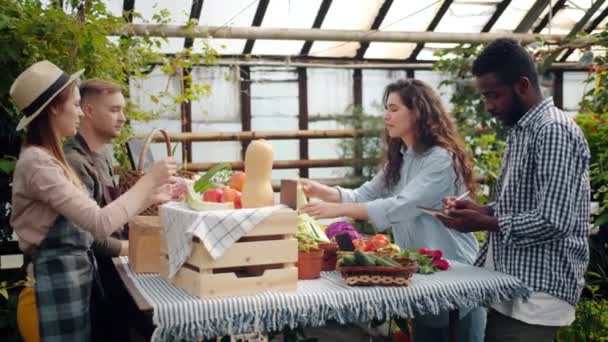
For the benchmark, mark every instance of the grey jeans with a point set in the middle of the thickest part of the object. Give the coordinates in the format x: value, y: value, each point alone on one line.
x: 501, y: 328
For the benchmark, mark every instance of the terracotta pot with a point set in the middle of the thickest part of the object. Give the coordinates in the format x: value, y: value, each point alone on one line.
x: 330, y: 257
x: 309, y: 264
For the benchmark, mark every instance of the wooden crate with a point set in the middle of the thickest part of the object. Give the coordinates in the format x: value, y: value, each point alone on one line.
x: 262, y: 260
x: 145, y: 244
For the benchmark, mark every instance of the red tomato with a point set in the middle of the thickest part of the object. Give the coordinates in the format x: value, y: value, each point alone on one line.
x: 380, y: 240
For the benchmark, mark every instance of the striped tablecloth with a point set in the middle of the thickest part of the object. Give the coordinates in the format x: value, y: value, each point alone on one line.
x: 180, y: 316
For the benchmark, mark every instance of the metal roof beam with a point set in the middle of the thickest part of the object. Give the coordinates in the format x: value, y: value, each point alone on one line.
x: 442, y: 10
x: 533, y: 13
x: 195, y: 13
x: 575, y: 30
x: 500, y: 8
x: 559, y: 5
x: 257, y: 21
x: 321, y: 14
x: 382, y: 11
x: 127, y: 10
x: 592, y: 26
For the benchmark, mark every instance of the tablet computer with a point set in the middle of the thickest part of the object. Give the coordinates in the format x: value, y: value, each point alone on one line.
x: 433, y: 212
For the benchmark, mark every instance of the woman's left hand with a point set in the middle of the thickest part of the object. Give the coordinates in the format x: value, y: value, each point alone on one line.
x: 322, y: 210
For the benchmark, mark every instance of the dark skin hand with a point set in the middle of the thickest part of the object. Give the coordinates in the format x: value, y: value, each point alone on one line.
x: 467, y: 216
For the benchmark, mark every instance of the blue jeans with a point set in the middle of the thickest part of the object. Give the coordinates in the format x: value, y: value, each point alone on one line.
x: 433, y: 328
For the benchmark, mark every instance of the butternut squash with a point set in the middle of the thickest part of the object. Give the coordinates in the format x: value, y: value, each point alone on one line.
x: 257, y: 190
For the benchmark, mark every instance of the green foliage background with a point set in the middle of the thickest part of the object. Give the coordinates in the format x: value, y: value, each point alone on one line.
x: 76, y: 37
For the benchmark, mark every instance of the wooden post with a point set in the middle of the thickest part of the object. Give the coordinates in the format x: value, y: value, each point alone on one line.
x: 245, y: 97
x: 272, y: 33
x: 303, y: 116
x: 358, y: 102
x: 558, y: 89
x: 186, y: 116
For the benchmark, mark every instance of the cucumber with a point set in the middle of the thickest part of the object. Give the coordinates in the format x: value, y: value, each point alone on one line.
x: 386, y: 262
x: 380, y: 261
x: 347, y: 260
x: 363, y: 259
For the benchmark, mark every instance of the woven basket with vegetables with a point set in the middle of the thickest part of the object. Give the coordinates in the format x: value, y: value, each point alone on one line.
x: 367, y: 269
x: 128, y: 178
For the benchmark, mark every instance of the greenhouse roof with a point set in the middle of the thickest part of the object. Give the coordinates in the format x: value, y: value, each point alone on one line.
x: 561, y: 17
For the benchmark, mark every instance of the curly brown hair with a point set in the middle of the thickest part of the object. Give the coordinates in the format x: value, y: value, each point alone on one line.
x: 434, y: 127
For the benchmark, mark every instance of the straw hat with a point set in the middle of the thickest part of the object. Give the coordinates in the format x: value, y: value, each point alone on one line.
x: 36, y: 87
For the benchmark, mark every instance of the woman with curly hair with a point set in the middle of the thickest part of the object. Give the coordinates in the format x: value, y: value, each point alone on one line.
x: 425, y: 160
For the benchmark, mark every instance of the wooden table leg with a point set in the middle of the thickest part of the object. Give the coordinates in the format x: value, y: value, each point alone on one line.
x: 453, y: 326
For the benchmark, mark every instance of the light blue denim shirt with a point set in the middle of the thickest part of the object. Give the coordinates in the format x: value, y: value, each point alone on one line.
x: 426, y: 178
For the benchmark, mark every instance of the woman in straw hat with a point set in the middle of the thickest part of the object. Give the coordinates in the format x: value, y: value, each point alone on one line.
x: 53, y: 216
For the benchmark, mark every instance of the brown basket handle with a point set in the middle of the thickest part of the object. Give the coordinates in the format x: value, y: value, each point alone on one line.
x: 147, y: 142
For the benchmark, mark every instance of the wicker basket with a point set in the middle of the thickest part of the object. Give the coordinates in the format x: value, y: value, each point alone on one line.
x: 128, y: 178
x: 378, y: 275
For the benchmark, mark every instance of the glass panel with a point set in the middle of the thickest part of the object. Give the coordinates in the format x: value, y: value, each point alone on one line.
x: 275, y: 107
x: 178, y: 14
x: 114, y: 7
x: 576, y: 55
x: 402, y: 16
x: 427, y: 53
x: 169, y: 120
x: 216, y: 151
x: 601, y: 26
x: 467, y: 16
x: 567, y: 17
x: 574, y: 89
x: 434, y: 78
x: 237, y: 13
x: 159, y: 150
x: 330, y: 93
x: 223, y: 105
x: 374, y: 82
x: 179, y: 11
x: 280, y: 14
x: 153, y: 85
x: 513, y: 15
x: 346, y: 15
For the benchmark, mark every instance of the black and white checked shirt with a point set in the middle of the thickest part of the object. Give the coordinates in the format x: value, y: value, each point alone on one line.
x: 542, y: 204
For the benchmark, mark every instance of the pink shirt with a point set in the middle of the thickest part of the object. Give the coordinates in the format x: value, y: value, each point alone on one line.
x: 42, y: 192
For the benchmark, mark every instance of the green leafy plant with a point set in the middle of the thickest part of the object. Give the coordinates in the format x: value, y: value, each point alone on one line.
x: 595, y: 128
x: 306, y: 242
x: 363, y: 148
x: 213, y: 177
x: 483, y: 135
x: 591, y: 322
x: 429, y: 261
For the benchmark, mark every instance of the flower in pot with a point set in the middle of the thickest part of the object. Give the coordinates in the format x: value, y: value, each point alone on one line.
x: 310, y: 257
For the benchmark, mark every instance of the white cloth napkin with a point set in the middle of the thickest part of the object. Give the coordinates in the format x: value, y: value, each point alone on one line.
x: 217, y: 229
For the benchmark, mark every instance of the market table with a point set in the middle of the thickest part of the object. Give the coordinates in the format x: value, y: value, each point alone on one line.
x: 178, y: 315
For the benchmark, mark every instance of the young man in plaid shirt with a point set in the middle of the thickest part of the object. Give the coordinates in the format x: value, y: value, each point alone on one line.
x: 539, y: 221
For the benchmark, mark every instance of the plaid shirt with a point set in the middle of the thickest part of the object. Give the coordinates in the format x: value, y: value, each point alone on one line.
x: 542, y: 204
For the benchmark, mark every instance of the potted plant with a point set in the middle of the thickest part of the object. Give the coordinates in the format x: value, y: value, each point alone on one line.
x: 310, y: 257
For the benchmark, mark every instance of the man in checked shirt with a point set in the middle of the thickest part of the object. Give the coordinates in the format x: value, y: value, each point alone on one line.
x: 539, y: 220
